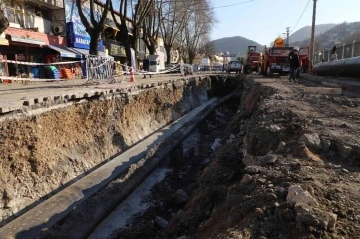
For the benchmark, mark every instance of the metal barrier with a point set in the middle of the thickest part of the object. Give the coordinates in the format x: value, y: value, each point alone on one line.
x: 343, y: 52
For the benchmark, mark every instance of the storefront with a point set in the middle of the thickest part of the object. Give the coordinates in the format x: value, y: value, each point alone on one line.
x: 32, y: 47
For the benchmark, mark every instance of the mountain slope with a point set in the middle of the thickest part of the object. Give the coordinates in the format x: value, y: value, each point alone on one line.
x: 235, y: 45
x: 342, y: 33
x: 305, y: 32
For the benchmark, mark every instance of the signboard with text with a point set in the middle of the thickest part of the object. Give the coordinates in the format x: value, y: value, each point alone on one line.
x: 79, y: 41
x: 76, y: 31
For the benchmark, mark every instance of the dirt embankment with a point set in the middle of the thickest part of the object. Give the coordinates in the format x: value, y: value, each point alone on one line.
x: 292, y: 171
x: 42, y: 153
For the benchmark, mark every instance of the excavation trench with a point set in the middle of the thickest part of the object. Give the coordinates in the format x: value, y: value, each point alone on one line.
x: 62, y: 151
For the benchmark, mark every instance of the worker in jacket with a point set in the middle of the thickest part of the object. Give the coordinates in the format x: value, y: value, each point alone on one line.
x: 146, y: 66
x: 294, y: 63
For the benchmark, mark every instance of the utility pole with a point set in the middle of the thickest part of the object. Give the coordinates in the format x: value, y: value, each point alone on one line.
x: 287, y: 36
x: 312, y: 37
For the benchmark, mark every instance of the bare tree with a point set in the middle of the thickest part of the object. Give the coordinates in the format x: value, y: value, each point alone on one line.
x: 140, y: 9
x: 174, y: 15
x: 96, y: 25
x: 206, y: 47
x: 4, y: 23
x: 151, y: 26
x: 198, y: 25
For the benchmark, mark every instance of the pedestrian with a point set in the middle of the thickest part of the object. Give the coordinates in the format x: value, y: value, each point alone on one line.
x: 333, y: 56
x: 294, y: 63
x: 146, y: 65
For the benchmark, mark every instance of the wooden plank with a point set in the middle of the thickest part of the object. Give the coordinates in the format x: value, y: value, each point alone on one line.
x: 330, y: 85
x: 322, y: 91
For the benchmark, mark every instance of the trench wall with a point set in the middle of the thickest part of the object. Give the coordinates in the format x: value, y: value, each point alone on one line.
x: 42, y: 153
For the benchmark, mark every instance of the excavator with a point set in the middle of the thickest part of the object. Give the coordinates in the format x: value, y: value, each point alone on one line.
x: 253, y: 61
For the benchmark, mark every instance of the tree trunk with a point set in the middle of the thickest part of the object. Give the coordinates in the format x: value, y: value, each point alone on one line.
x: 4, y: 23
x: 150, y: 45
x: 168, y: 54
x: 191, y: 58
x: 94, y: 43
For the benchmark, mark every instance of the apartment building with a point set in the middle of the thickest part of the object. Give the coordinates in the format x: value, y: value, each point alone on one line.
x: 48, y: 31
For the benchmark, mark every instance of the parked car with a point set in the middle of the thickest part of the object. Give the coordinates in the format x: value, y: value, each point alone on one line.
x: 234, y: 66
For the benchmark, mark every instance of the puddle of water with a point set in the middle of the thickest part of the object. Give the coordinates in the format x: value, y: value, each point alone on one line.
x: 132, y: 205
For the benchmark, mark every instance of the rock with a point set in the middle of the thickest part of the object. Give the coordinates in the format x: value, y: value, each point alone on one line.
x: 311, y: 140
x: 253, y: 169
x: 279, y: 97
x: 328, y: 165
x: 268, y: 159
x: 343, y: 150
x: 281, y: 146
x: 326, y: 144
x: 344, y: 170
x: 246, y: 179
x: 271, y: 196
x: 232, y: 136
x: 315, y: 217
x: 297, y: 195
x: 161, y: 222
x: 215, y: 144
x: 274, y: 128
x: 181, y: 197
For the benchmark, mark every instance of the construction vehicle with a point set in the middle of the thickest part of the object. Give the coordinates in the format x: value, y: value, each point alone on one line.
x: 253, y: 61
x: 275, y: 59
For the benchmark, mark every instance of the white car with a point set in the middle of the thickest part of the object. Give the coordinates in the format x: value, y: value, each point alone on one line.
x: 234, y: 66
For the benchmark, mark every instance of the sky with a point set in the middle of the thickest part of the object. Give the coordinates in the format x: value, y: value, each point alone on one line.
x: 264, y: 20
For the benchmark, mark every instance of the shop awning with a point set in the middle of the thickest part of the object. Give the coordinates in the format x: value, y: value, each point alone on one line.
x: 26, y: 40
x: 65, y: 51
x: 86, y: 52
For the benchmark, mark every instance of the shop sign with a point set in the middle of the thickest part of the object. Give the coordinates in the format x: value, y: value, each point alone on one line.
x: 115, y: 50
x: 27, y: 40
x: 4, y: 42
x: 79, y: 41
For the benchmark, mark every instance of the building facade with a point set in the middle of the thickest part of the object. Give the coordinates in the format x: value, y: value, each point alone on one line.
x: 50, y: 31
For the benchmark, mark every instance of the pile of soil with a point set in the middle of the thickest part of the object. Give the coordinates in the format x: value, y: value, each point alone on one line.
x: 286, y: 141
x: 287, y: 167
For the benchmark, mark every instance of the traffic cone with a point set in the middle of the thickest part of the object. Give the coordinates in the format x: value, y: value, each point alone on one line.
x: 132, y: 77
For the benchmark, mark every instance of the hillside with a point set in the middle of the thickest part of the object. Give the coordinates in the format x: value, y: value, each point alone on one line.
x: 236, y: 45
x: 305, y: 32
x: 342, y: 33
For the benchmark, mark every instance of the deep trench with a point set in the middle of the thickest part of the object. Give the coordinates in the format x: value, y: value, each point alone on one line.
x: 29, y: 142
x: 156, y: 195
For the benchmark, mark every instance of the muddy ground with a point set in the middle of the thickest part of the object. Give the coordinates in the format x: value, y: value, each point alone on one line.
x: 287, y: 167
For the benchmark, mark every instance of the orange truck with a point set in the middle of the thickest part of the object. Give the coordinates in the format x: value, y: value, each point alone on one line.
x: 253, y: 60
x: 276, y: 61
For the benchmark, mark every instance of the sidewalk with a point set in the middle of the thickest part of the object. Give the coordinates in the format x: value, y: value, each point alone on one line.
x: 14, y: 96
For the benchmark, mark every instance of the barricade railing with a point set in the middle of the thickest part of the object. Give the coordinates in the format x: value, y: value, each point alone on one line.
x: 344, y: 51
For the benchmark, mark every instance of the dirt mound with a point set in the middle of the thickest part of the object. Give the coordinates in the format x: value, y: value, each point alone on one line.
x: 292, y: 171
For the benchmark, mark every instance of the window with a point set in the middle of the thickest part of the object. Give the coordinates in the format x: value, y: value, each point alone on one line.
x: 38, y: 11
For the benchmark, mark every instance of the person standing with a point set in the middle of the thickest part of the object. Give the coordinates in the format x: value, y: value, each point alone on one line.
x: 333, y: 56
x: 294, y: 63
x: 146, y: 65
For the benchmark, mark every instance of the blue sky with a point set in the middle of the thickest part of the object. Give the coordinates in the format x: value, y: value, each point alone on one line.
x: 264, y: 20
